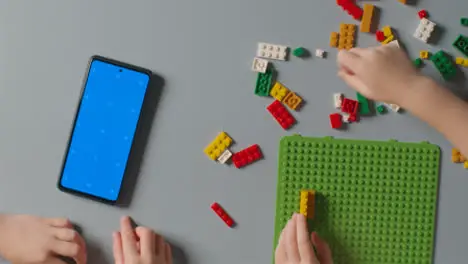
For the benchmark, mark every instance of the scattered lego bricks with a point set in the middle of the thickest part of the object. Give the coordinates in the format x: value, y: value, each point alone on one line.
x: 279, y: 91
x: 372, y: 197
x: 300, y: 52
x: 364, y: 105
x: 423, y: 14
x: 335, y: 121
x: 424, y: 30
x: 461, y: 61
x: 247, y: 156
x: 457, y: 157
x: 272, y: 51
x: 307, y: 203
x: 367, y: 18
x: 424, y: 54
x: 351, y: 8
x: 461, y: 44
x: 281, y: 114
x: 225, y: 156
x: 222, y: 214
x: 444, y: 65
x: 218, y: 146
x: 418, y: 62
x: 464, y: 21
x: 264, y: 83
x: 388, y: 35
x: 334, y: 39
x: 346, y: 40
x: 259, y: 65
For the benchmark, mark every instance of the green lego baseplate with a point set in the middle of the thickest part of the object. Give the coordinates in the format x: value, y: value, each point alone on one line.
x: 375, y: 201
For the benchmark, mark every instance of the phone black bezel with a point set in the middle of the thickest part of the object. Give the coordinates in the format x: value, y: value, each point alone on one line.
x: 125, y: 66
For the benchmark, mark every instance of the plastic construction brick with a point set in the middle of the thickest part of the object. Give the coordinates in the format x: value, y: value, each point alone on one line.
x: 388, y: 40
x: 247, y: 156
x: 424, y: 30
x: 395, y: 43
x: 464, y: 21
x: 307, y: 203
x: 403, y: 1
x: 381, y: 109
x: 320, y: 53
x: 334, y: 39
x: 336, y: 121
x: 457, y: 157
x: 299, y: 52
x: 264, y: 83
x: 423, y: 14
x: 347, y: 32
x: 222, y: 214
x: 346, y: 118
x: 379, y: 35
x: 373, y: 198
x: 418, y: 62
x: 259, y: 65
x: 461, y: 61
x: 444, y: 64
x: 225, y: 156
x: 272, y: 51
x: 461, y: 44
x: 395, y: 108
x: 351, y: 8
x: 281, y: 114
x: 337, y: 100
x: 349, y: 106
x: 364, y: 106
x: 279, y: 91
x: 424, y: 54
x: 367, y: 18
x: 293, y: 101
x: 218, y: 146
x: 387, y: 30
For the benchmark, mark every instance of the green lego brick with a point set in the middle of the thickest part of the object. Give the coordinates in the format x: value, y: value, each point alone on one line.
x: 264, y: 83
x: 364, y: 106
x: 299, y: 52
x: 444, y: 64
x: 381, y: 109
x: 464, y: 21
x: 375, y: 201
x: 461, y: 44
x: 418, y: 62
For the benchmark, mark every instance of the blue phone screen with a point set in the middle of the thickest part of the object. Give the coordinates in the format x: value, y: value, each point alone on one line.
x: 104, y: 129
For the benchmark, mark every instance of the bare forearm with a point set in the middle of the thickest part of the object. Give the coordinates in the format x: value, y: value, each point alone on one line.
x: 441, y: 109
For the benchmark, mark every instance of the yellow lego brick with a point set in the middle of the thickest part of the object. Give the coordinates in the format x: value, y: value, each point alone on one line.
x: 459, y: 60
x: 388, y: 40
x: 424, y: 54
x: 403, y: 1
x: 367, y: 18
x: 218, y: 146
x: 465, y: 63
x: 333, y: 39
x: 456, y: 159
x: 387, y: 31
x: 307, y: 203
x: 292, y: 100
x: 279, y: 91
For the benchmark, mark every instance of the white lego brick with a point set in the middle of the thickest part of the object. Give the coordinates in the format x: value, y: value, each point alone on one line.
x: 346, y: 117
x: 259, y: 65
x: 225, y: 156
x: 424, y: 30
x: 337, y: 100
x: 394, y: 43
x: 320, y: 53
x: 395, y: 108
x: 272, y: 51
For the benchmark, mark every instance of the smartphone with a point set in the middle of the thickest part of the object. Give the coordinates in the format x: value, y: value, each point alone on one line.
x: 104, y: 129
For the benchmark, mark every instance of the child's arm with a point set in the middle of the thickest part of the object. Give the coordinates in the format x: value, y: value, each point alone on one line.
x: 386, y: 74
x: 30, y: 239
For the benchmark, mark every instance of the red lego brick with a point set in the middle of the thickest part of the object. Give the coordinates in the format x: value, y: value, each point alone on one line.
x: 380, y: 36
x: 352, y: 118
x: 349, y: 106
x: 351, y: 8
x: 281, y: 114
x: 336, y: 120
x: 222, y: 214
x: 247, y: 156
x: 423, y: 14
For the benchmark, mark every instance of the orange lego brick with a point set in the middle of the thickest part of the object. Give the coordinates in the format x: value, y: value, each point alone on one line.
x: 403, y: 1
x: 292, y: 100
x: 334, y: 39
x: 347, y: 32
x: 367, y: 18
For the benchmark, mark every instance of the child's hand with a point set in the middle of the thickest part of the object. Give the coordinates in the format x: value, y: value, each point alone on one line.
x: 34, y: 240
x: 295, y: 245
x: 139, y: 246
x: 382, y: 73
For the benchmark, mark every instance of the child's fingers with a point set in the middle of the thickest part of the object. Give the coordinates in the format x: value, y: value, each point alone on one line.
x: 128, y: 237
x: 280, y: 252
x: 117, y: 248
x: 292, y: 250
x: 323, y: 250
x: 147, y: 241
x: 305, y: 247
x: 168, y: 254
x: 349, y: 60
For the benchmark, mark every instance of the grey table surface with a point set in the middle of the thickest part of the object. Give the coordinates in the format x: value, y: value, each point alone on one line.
x: 203, y: 50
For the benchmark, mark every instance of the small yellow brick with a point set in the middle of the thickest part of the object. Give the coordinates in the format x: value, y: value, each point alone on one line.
x: 424, y: 54
x: 388, y: 40
x: 279, y: 91
x: 218, y: 146
x: 387, y: 30
x: 307, y: 203
x: 465, y: 63
x: 333, y: 39
x: 459, y: 60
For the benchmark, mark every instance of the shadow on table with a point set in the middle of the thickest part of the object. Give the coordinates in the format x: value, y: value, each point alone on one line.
x: 155, y: 89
